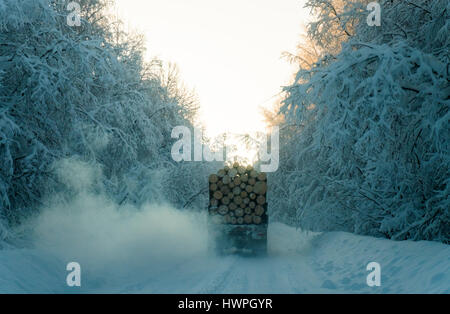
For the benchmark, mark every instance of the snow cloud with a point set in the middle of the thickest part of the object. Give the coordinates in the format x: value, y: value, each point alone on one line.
x: 94, y: 231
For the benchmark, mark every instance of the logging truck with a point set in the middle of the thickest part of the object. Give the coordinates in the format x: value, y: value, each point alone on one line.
x: 237, y: 211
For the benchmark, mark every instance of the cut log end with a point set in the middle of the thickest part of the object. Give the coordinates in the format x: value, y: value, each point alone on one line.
x: 225, y: 200
x: 213, y: 178
x: 226, y: 180
x: 257, y: 220
x: 262, y: 176
x: 232, y: 173
x: 260, y: 200
x: 239, y: 212
x: 260, y: 187
x: 218, y: 195
x: 259, y: 210
x: 223, y: 210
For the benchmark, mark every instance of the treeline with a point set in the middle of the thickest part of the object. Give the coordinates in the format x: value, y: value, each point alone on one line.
x: 365, y: 129
x: 85, y: 93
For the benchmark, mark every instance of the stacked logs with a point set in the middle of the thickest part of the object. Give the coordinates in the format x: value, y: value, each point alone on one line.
x: 237, y: 196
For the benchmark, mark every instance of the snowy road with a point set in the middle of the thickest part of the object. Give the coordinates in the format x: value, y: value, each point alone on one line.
x: 323, y: 263
x: 285, y: 270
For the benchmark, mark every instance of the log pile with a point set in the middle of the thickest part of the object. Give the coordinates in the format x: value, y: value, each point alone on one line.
x: 237, y: 196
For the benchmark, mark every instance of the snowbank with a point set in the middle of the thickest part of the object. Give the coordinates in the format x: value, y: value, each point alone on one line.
x: 406, y: 266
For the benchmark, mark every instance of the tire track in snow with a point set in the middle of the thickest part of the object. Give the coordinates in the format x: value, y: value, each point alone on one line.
x: 219, y: 280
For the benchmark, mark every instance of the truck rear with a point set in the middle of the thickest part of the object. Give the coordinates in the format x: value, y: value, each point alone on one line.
x: 237, y: 212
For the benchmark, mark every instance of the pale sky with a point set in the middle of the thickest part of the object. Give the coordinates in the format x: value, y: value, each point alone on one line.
x: 229, y: 51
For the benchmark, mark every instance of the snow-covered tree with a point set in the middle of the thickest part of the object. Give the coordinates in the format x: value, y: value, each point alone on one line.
x: 83, y: 92
x: 366, y: 141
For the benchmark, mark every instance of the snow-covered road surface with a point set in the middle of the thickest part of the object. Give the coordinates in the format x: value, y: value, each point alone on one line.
x: 297, y: 263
